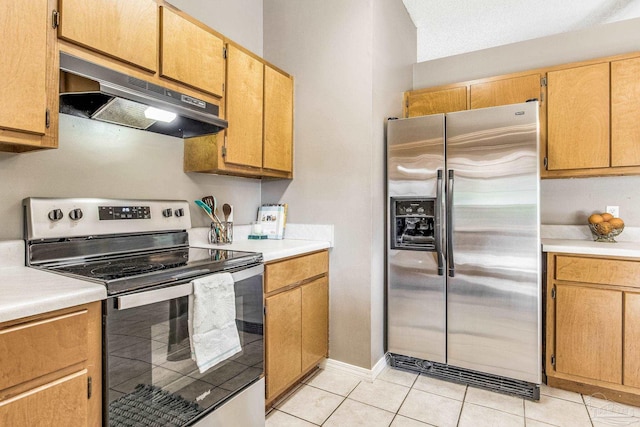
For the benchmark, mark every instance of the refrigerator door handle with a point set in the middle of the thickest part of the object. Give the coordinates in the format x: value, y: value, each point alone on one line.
x: 438, y: 225
x: 452, y: 266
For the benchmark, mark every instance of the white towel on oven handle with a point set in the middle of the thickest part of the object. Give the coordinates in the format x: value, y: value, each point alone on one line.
x: 213, y: 332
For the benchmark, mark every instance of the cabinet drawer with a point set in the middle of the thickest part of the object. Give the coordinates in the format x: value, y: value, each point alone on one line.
x: 33, y: 349
x: 295, y: 270
x: 598, y: 270
x: 60, y: 403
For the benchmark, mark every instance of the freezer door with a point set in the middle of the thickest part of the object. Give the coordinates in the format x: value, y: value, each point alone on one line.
x: 416, y: 316
x: 416, y: 305
x: 494, y: 283
x: 415, y: 152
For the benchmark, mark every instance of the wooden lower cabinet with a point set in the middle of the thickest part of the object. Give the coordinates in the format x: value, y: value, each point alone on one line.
x: 296, y: 324
x: 631, y: 350
x: 593, y: 325
x: 589, y: 332
x: 60, y: 403
x: 51, y: 369
x: 315, y: 322
x: 283, y: 345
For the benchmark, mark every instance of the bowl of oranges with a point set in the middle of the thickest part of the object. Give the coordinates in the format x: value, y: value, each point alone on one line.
x: 605, y: 227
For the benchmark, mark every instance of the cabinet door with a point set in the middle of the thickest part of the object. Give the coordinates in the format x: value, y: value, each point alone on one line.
x: 24, y: 27
x: 59, y: 403
x: 190, y: 54
x: 278, y: 120
x: 124, y: 29
x: 631, y: 339
x: 315, y: 322
x: 589, y: 332
x: 504, y: 92
x: 625, y: 112
x: 244, y: 106
x: 578, y: 117
x: 440, y: 101
x: 283, y: 340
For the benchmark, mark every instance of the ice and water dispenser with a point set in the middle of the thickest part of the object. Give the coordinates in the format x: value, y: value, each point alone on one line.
x: 413, y: 223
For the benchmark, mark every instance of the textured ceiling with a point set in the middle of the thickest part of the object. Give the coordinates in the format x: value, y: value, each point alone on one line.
x: 451, y: 27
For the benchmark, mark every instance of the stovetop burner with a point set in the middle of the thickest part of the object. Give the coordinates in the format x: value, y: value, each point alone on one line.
x: 125, y: 273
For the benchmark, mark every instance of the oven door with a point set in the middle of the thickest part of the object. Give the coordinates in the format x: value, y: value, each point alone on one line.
x: 149, y: 372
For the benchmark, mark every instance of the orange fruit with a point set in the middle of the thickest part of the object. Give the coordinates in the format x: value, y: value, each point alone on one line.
x: 595, y: 219
x: 604, y: 228
x: 606, y: 216
x: 616, y: 223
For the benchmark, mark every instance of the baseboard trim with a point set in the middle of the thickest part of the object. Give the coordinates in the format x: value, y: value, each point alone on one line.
x: 366, y: 374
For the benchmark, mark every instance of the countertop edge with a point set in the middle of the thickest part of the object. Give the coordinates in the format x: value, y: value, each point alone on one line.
x: 586, y: 247
x: 274, y: 250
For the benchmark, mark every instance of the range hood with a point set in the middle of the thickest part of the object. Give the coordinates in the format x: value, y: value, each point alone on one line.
x: 92, y: 91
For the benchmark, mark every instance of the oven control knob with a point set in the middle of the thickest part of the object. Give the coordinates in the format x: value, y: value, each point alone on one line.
x: 75, y: 214
x: 55, y: 214
x: 167, y: 213
x: 179, y: 212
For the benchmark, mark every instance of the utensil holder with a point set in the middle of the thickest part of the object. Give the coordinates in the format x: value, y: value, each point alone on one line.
x: 221, y: 233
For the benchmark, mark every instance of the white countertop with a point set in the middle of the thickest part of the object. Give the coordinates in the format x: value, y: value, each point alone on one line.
x: 577, y: 239
x: 25, y: 291
x: 321, y: 237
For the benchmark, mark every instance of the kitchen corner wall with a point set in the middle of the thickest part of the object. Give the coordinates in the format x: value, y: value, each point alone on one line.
x: 351, y: 62
x: 562, y: 201
x: 102, y: 160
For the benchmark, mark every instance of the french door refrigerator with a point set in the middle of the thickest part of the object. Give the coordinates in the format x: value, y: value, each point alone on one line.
x: 463, y: 248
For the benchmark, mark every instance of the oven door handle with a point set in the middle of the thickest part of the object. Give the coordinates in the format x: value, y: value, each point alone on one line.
x: 176, y: 291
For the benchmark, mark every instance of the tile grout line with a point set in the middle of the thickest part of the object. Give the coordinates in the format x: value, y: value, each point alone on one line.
x: 403, y: 400
x: 464, y: 398
x: 587, y: 409
x: 344, y: 398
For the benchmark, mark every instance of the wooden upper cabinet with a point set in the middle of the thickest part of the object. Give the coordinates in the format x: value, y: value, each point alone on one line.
x: 589, y: 333
x: 423, y: 103
x: 278, y: 121
x: 28, y: 93
x: 625, y: 112
x: 578, y: 117
x: 190, y: 54
x: 124, y: 29
x: 244, y: 106
x: 507, y: 91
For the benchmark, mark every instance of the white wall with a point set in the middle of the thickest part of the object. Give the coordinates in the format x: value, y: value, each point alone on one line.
x: 102, y: 160
x: 334, y: 53
x: 238, y: 20
x: 563, y: 201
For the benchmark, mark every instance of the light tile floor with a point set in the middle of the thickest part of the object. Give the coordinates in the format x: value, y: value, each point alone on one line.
x: 403, y: 399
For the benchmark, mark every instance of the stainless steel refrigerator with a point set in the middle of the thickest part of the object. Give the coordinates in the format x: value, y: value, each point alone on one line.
x: 463, y: 247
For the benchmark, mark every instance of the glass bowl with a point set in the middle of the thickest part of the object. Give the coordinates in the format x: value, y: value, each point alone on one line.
x: 601, y: 237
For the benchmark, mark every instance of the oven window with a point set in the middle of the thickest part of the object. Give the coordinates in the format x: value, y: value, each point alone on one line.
x: 149, y: 365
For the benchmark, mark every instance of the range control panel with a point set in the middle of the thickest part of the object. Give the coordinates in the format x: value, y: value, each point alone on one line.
x: 51, y: 218
x: 124, y: 212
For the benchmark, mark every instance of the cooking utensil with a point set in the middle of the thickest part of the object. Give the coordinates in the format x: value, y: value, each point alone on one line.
x: 226, y: 210
x: 213, y: 204
x: 206, y: 208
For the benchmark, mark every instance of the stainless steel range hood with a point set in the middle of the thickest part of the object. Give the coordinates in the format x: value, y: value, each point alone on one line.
x: 92, y: 91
